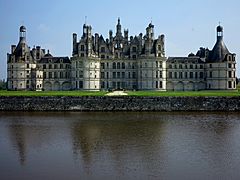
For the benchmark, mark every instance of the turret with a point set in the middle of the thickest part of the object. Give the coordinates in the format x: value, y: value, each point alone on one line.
x: 150, y: 31
x: 75, y: 48
x: 96, y: 42
x: 219, y: 33
x: 22, y: 33
x: 119, y: 28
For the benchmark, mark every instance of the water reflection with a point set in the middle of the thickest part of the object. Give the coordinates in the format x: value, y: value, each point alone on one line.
x: 120, y: 145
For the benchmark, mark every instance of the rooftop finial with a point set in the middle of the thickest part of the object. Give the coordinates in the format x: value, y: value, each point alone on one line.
x: 118, y: 20
x: 85, y: 19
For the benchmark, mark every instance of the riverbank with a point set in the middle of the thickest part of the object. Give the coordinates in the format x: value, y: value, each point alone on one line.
x: 118, y: 103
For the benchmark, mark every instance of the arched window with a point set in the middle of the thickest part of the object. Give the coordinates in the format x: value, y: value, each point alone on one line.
x: 114, y: 65
x: 118, y: 65
x: 123, y: 65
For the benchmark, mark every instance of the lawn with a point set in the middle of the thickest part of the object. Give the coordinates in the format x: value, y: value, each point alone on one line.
x: 184, y: 93
x: 52, y: 93
x: 129, y: 93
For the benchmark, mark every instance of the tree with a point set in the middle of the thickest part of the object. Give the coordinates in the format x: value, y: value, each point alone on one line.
x: 3, y: 85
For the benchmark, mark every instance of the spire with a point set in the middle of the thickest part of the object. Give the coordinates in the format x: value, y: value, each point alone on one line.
x: 119, y: 28
x: 119, y: 21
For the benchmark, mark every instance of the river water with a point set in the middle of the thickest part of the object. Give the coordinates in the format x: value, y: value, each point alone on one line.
x: 130, y: 145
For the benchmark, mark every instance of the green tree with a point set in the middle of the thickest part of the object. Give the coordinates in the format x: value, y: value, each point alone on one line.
x: 3, y: 85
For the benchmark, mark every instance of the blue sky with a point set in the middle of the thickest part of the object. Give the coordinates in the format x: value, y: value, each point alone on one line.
x: 187, y: 24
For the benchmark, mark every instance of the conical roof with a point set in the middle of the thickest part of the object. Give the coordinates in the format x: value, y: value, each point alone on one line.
x: 219, y: 52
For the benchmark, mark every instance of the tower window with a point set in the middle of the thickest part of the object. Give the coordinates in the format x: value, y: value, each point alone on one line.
x: 82, y: 48
x: 103, y: 49
x: 229, y: 84
x: 134, y: 49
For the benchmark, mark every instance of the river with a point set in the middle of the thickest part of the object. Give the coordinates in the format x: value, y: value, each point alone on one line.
x: 119, y: 145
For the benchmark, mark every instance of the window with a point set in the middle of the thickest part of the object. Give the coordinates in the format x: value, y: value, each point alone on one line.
x: 49, y: 66
x: 156, y: 84
x: 44, y: 66
x: 123, y: 65
x: 55, y: 66
x: 191, y: 66
x: 123, y: 74
x: 80, y: 84
x: 102, y: 75
x: 175, y: 75
x: 102, y: 84
x: 186, y: 75
x: 82, y: 54
x: 210, y: 65
x: 102, y: 66
x: 134, y: 49
x: 229, y: 65
x: 102, y: 56
x: 191, y: 75
x: 159, y: 48
x: 134, y: 57
x: 50, y: 75
x: 229, y: 84
x: 196, y: 75
x: 82, y: 48
x: 118, y: 74
x: 118, y: 65
x: 160, y: 74
x: 61, y: 74
x: 156, y: 74
x: 102, y: 49
x: 55, y: 75
x: 170, y: 74
x: 114, y: 65
x: 133, y: 75
x: 180, y: 75
x: 61, y: 66
x: 170, y: 66
x: 160, y: 84
x: 210, y: 74
x: 201, y: 66
x: 201, y: 74
x: 180, y: 66
x: 27, y: 65
x: 44, y: 75
x: 114, y: 75
x: 107, y: 75
x: 230, y: 74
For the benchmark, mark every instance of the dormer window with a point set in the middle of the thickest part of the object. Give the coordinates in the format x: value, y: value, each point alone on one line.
x: 82, y: 48
x: 103, y: 50
x: 134, y: 49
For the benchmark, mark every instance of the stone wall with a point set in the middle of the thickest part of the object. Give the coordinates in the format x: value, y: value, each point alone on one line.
x: 123, y: 103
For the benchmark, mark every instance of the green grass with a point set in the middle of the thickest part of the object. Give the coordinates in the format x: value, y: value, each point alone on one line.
x: 51, y: 93
x: 130, y: 93
x: 186, y: 93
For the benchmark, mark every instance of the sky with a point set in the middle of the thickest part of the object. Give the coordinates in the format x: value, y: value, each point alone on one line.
x: 187, y: 24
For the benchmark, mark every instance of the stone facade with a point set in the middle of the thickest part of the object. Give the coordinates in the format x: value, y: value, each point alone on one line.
x: 121, y: 62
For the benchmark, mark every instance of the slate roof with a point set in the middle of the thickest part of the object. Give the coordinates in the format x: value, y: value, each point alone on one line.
x: 54, y: 60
